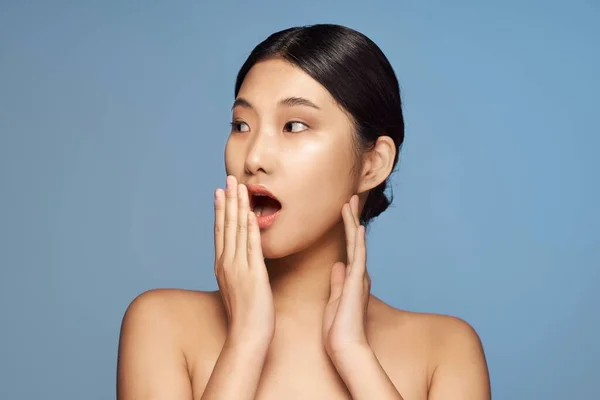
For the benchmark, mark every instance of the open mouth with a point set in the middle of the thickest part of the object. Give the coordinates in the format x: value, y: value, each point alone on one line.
x: 264, y: 205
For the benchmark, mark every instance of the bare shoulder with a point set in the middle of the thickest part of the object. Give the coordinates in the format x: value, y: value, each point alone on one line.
x: 182, y: 316
x: 460, y: 366
x: 173, y: 310
x: 456, y: 364
x: 156, y: 334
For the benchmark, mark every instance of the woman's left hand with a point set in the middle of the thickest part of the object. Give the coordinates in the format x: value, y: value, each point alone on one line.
x: 344, y: 321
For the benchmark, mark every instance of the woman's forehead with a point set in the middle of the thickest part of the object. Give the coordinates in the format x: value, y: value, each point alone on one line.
x: 277, y: 82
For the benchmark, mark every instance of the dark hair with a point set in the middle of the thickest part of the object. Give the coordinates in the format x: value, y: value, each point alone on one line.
x: 357, y: 75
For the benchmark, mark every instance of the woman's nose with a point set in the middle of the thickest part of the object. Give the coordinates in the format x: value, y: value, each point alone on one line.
x: 261, y: 153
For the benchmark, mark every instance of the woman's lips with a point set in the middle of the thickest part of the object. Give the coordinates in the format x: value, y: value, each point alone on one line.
x: 255, y: 191
x: 264, y: 221
x: 260, y: 190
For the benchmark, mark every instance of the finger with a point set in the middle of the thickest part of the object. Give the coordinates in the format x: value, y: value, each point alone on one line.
x: 230, y: 218
x: 350, y: 229
x: 241, y: 248
x: 219, y: 222
x: 354, y: 207
x: 367, y: 294
x: 367, y: 283
x: 338, y: 275
x: 359, y: 265
x: 255, y: 255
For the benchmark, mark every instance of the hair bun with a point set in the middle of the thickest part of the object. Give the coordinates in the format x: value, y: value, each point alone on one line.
x: 377, y: 202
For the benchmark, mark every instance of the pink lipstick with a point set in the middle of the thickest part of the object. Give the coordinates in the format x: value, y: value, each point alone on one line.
x: 264, y: 204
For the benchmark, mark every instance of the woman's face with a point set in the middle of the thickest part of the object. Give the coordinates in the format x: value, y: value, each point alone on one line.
x: 291, y: 137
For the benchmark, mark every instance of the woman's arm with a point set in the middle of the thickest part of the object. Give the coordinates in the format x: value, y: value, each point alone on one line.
x: 242, y: 360
x: 364, y: 377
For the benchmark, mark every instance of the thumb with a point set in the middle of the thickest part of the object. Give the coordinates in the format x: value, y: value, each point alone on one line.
x: 338, y: 276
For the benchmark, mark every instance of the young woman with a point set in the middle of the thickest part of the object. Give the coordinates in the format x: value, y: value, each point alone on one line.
x: 316, y: 129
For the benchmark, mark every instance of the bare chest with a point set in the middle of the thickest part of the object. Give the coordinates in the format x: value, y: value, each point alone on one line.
x: 309, y: 374
x: 300, y: 375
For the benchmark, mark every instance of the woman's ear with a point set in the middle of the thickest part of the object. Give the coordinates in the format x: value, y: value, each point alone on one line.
x: 378, y: 164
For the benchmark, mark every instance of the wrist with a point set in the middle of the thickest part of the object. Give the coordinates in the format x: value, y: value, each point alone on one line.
x: 351, y: 354
x: 252, y: 344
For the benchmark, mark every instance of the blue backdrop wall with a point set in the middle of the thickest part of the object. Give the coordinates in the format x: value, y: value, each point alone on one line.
x: 113, y: 118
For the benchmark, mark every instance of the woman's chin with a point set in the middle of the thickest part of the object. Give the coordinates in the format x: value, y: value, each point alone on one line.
x: 273, y: 252
x: 276, y: 245
x: 279, y: 240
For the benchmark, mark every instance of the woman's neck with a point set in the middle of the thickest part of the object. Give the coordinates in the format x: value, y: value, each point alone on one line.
x: 301, y: 282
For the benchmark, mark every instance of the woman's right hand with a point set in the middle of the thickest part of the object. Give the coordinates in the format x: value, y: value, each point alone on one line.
x: 240, y: 268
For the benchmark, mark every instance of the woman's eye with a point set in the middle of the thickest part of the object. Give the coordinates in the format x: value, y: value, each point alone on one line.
x: 295, y: 126
x: 239, y: 126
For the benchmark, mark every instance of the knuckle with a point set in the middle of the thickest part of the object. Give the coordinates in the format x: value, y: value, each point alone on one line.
x: 218, y: 268
x: 220, y: 278
x: 224, y: 261
x: 225, y: 270
x: 229, y: 224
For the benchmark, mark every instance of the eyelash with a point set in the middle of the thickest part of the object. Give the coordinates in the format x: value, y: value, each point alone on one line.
x: 235, y: 126
x: 295, y: 122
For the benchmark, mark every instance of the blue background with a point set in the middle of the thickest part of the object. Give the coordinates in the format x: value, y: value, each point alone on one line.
x: 113, y: 118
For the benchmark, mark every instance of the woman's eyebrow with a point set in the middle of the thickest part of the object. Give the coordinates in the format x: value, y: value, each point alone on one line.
x: 298, y: 101
x: 241, y: 102
x: 288, y: 101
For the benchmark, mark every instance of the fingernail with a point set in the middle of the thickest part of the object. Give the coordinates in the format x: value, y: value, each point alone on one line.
x: 229, y: 182
x: 217, y: 194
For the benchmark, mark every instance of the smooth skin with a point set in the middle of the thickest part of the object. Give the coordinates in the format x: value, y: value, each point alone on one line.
x: 293, y: 317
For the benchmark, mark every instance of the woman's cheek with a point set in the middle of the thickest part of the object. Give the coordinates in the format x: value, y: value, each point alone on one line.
x: 298, y: 228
